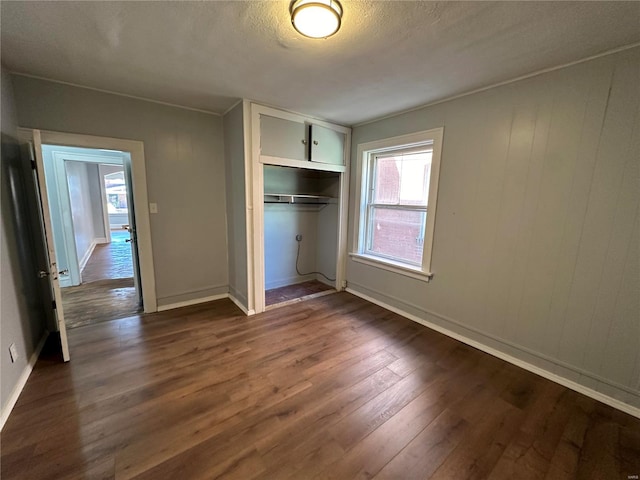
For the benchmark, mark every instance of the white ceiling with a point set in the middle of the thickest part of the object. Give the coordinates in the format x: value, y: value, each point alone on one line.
x: 388, y: 56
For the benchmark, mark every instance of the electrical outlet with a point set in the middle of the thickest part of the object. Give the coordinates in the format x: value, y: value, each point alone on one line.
x: 153, y: 208
x: 13, y: 351
x: 299, y: 237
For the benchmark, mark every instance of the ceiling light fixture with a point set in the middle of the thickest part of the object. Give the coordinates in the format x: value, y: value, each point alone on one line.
x: 316, y: 18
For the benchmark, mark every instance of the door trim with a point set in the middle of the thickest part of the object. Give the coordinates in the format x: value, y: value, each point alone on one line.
x: 138, y: 166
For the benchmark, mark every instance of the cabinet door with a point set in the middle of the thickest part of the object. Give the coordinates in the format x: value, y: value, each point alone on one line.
x: 283, y: 138
x: 327, y: 145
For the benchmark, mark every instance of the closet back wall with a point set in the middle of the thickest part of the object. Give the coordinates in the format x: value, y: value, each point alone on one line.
x: 185, y: 175
x: 281, y: 225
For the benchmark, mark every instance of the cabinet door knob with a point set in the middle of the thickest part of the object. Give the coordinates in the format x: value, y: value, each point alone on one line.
x: 304, y: 142
x: 315, y: 142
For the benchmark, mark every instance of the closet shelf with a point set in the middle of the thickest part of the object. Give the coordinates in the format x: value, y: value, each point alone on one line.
x: 298, y: 199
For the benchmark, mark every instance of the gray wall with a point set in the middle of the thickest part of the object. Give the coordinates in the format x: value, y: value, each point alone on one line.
x: 22, y: 318
x: 185, y: 175
x: 95, y: 196
x: 81, y: 207
x: 327, y: 238
x: 536, y: 249
x: 281, y: 225
x: 236, y: 203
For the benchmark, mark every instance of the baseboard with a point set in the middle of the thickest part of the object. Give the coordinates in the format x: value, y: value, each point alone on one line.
x: 195, y: 301
x: 101, y: 240
x: 241, y: 306
x: 300, y: 299
x: 22, y: 381
x: 289, y: 281
x: 87, y: 255
x: 612, y: 402
x: 328, y: 283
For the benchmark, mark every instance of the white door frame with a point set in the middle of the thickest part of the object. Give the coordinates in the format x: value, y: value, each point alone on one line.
x: 136, y: 150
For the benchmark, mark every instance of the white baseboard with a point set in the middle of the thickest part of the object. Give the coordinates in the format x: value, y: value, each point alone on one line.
x: 211, y: 298
x: 284, y: 282
x: 22, y: 381
x: 615, y: 403
x: 329, y: 283
x: 87, y: 255
x: 195, y: 301
x: 101, y: 240
x: 241, y: 306
x: 300, y: 299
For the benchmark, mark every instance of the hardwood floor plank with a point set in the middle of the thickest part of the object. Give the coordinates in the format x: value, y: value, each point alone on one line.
x: 356, y: 426
x: 567, y: 455
x: 279, y: 444
x: 333, y: 387
x: 531, y: 450
x: 107, y: 290
x: 426, y: 452
x: 495, y: 422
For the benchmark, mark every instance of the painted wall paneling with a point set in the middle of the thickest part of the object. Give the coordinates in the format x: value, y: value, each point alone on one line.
x: 234, y: 153
x: 536, y: 236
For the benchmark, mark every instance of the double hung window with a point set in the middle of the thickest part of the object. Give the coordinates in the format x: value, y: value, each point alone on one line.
x: 398, y: 196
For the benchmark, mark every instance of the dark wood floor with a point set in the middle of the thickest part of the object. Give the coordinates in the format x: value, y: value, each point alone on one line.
x: 295, y: 291
x: 333, y: 387
x: 107, y: 290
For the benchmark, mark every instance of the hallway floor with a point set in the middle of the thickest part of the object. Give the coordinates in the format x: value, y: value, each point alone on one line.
x: 107, y: 291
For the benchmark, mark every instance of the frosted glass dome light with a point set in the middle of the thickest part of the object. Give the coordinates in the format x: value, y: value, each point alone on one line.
x: 316, y: 18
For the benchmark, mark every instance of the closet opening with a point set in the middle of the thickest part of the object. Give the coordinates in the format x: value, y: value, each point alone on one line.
x: 301, y: 217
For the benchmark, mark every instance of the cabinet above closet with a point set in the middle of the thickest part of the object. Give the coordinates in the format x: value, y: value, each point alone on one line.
x: 288, y: 139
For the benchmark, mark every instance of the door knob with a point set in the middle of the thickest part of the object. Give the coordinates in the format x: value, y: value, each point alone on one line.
x: 127, y: 240
x: 42, y: 274
x: 64, y: 272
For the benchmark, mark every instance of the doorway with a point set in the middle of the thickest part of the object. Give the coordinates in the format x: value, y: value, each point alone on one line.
x: 90, y: 196
x: 32, y: 140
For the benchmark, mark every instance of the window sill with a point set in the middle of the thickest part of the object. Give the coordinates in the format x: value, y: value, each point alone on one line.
x: 392, y: 267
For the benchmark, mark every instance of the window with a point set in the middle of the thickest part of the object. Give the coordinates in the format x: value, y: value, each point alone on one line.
x: 398, y: 192
x: 116, y: 190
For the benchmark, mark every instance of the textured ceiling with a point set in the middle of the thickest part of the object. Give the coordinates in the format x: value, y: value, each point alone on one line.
x: 387, y: 57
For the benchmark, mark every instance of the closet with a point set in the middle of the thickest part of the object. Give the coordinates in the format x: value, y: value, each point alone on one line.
x: 287, y: 197
x: 301, y: 164
x: 300, y: 232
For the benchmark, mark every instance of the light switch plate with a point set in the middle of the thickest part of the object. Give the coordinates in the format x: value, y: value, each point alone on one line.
x: 153, y: 208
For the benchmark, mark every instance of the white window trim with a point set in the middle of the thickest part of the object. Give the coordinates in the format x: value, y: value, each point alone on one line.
x: 363, y: 159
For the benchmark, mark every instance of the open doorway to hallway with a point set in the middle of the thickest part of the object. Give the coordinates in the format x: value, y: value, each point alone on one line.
x: 93, y: 224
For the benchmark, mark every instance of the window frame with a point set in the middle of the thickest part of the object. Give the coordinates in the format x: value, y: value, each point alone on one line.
x: 366, y: 154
